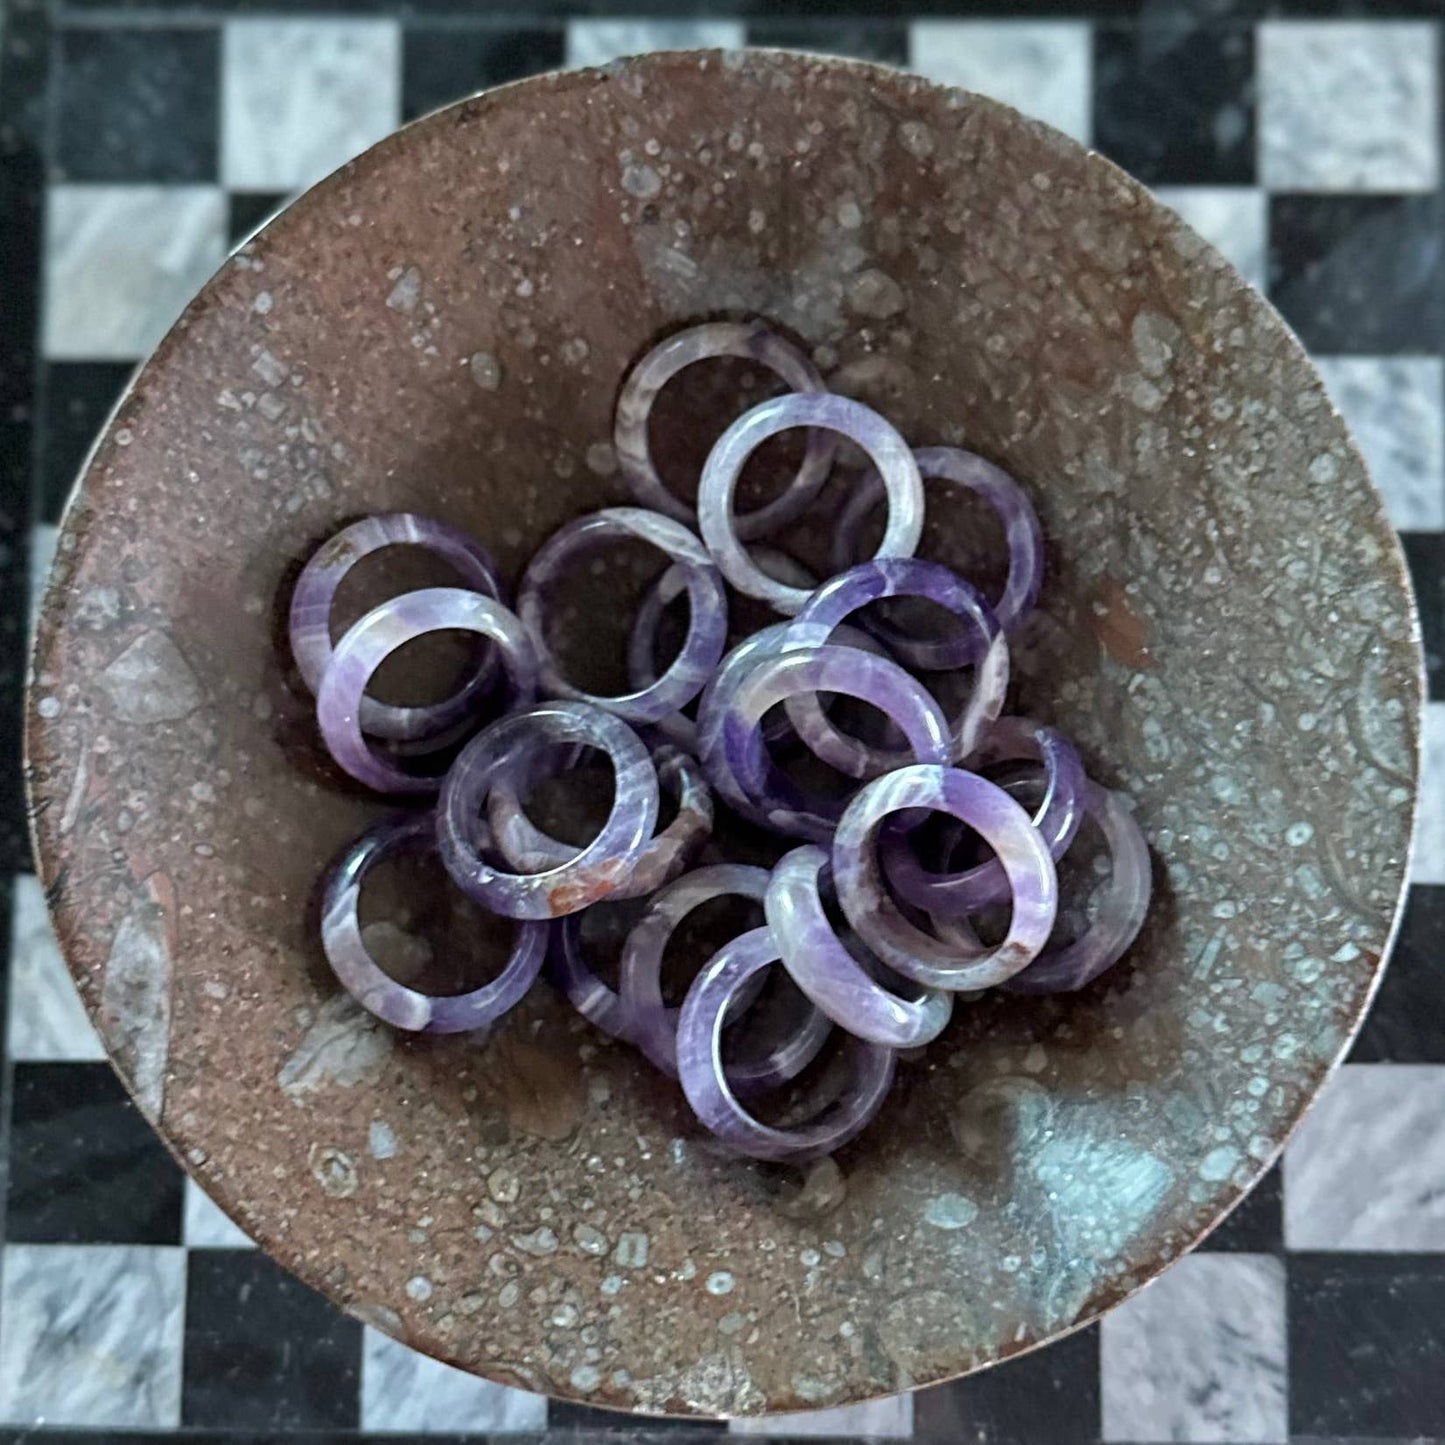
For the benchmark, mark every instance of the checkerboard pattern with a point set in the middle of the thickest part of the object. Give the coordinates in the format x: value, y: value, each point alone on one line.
x: 139, y: 141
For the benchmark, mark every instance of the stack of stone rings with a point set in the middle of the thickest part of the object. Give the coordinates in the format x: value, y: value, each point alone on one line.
x: 877, y: 908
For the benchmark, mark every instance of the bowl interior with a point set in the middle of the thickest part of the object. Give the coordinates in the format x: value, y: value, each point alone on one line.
x: 442, y: 326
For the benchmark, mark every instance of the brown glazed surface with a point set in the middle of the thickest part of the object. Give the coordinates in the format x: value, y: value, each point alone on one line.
x: 442, y: 325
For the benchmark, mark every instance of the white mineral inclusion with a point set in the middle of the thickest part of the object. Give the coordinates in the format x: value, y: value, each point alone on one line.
x: 720, y: 1282
x: 950, y: 1211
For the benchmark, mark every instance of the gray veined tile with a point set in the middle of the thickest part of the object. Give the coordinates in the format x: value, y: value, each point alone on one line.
x: 1041, y: 67
x: 599, y: 42
x: 206, y: 1226
x: 1348, y: 106
x: 890, y: 1418
x: 47, y: 1020
x: 301, y: 97
x: 402, y: 1390
x: 90, y: 1335
x: 1366, y: 1171
x: 1393, y: 405
x: 1200, y: 1354
x: 122, y: 261
x: 1233, y: 219
x: 1427, y: 862
x: 43, y: 539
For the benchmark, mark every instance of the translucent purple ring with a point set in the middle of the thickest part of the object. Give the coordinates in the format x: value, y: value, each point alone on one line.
x: 707, y: 601
x: 1002, y: 824
x: 884, y: 577
x: 378, y: 993
x: 878, y: 437
x: 522, y: 844
x: 731, y: 734
x: 310, y: 618
x: 1119, y: 916
x: 955, y: 895
x: 748, y: 341
x: 1023, y: 537
x: 594, y: 873
x: 700, y: 1065
x: 829, y: 975
x: 381, y: 632
x: 640, y: 981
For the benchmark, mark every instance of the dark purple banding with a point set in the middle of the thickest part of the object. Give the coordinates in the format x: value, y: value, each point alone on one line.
x: 955, y: 895
x: 860, y: 424
x: 380, y: 633
x: 310, y: 619
x: 1119, y: 915
x: 829, y: 975
x: 1023, y: 537
x: 594, y: 873
x: 748, y: 341
x: 881, y: 924
x: 701, y: 1072
x: 377, y: 992
x: 707, y: 625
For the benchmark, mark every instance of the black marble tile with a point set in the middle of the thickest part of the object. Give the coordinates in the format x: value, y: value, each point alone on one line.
x: 1051, y: 1394
x: 1256, y: 1224
x: 1359, y: 274
x: 248, y: 211
x: 1425, y: 553
x: 1366, y: 1337
x: 1174, y: 101
x: 77, y: 398
x: 883, y: 41
x: 137, y: 105
x: 440, y: 66
x: 1406, y: 1023
x: 263, y: 1351
x: 85, y: 1167
x: 635, y: 9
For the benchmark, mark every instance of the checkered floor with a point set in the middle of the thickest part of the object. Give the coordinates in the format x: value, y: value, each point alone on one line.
x: 138, y: 141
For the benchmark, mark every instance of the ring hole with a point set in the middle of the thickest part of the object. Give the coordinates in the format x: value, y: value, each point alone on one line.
x: 804, y: 1099
x: 588, y: 617
x: 693, y: 410
x: 427, y: 669
x: 699, y: 935
x: 424, y: 932
x: 571, y: 800
x: 602, y: 930
x: 920, y: 619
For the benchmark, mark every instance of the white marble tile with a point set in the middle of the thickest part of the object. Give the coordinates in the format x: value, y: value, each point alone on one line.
x: 598, y: 42
x: 122, y: 261
x: 1200, y: 1354
x: 300, y: 97
x: 404, y: 1390
x: 1042, y: 67
x: 1393, y: 405
x: 1366, y: 1171
x: 1347, y: 106
x: 47, y: 1019
x: 1233, y: 219
x: 92, y: 1335
x: 43, y: 538
x: 204, y: 1224
x: 890, y: 1418
x: 1427, y: 863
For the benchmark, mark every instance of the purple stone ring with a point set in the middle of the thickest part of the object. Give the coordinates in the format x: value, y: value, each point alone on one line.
x: 377, y: 992
x: 868, y: 582
x: 955, y: 895
x: 380, y: 633
x: 748, y: 341
x: 829, y: 974
x: 1023, y: 537
x: 880, y: 922
x: 315, y: 591
x: 594, y: 873
x: 707, y: 602
x: 877, y: 437
x: 704, y: 1081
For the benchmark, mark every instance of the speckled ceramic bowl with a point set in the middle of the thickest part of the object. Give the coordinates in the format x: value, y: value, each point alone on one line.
x: 442, y: 325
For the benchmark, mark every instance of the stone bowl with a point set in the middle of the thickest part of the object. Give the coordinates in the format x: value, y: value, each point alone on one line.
x: 1226, y: 629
